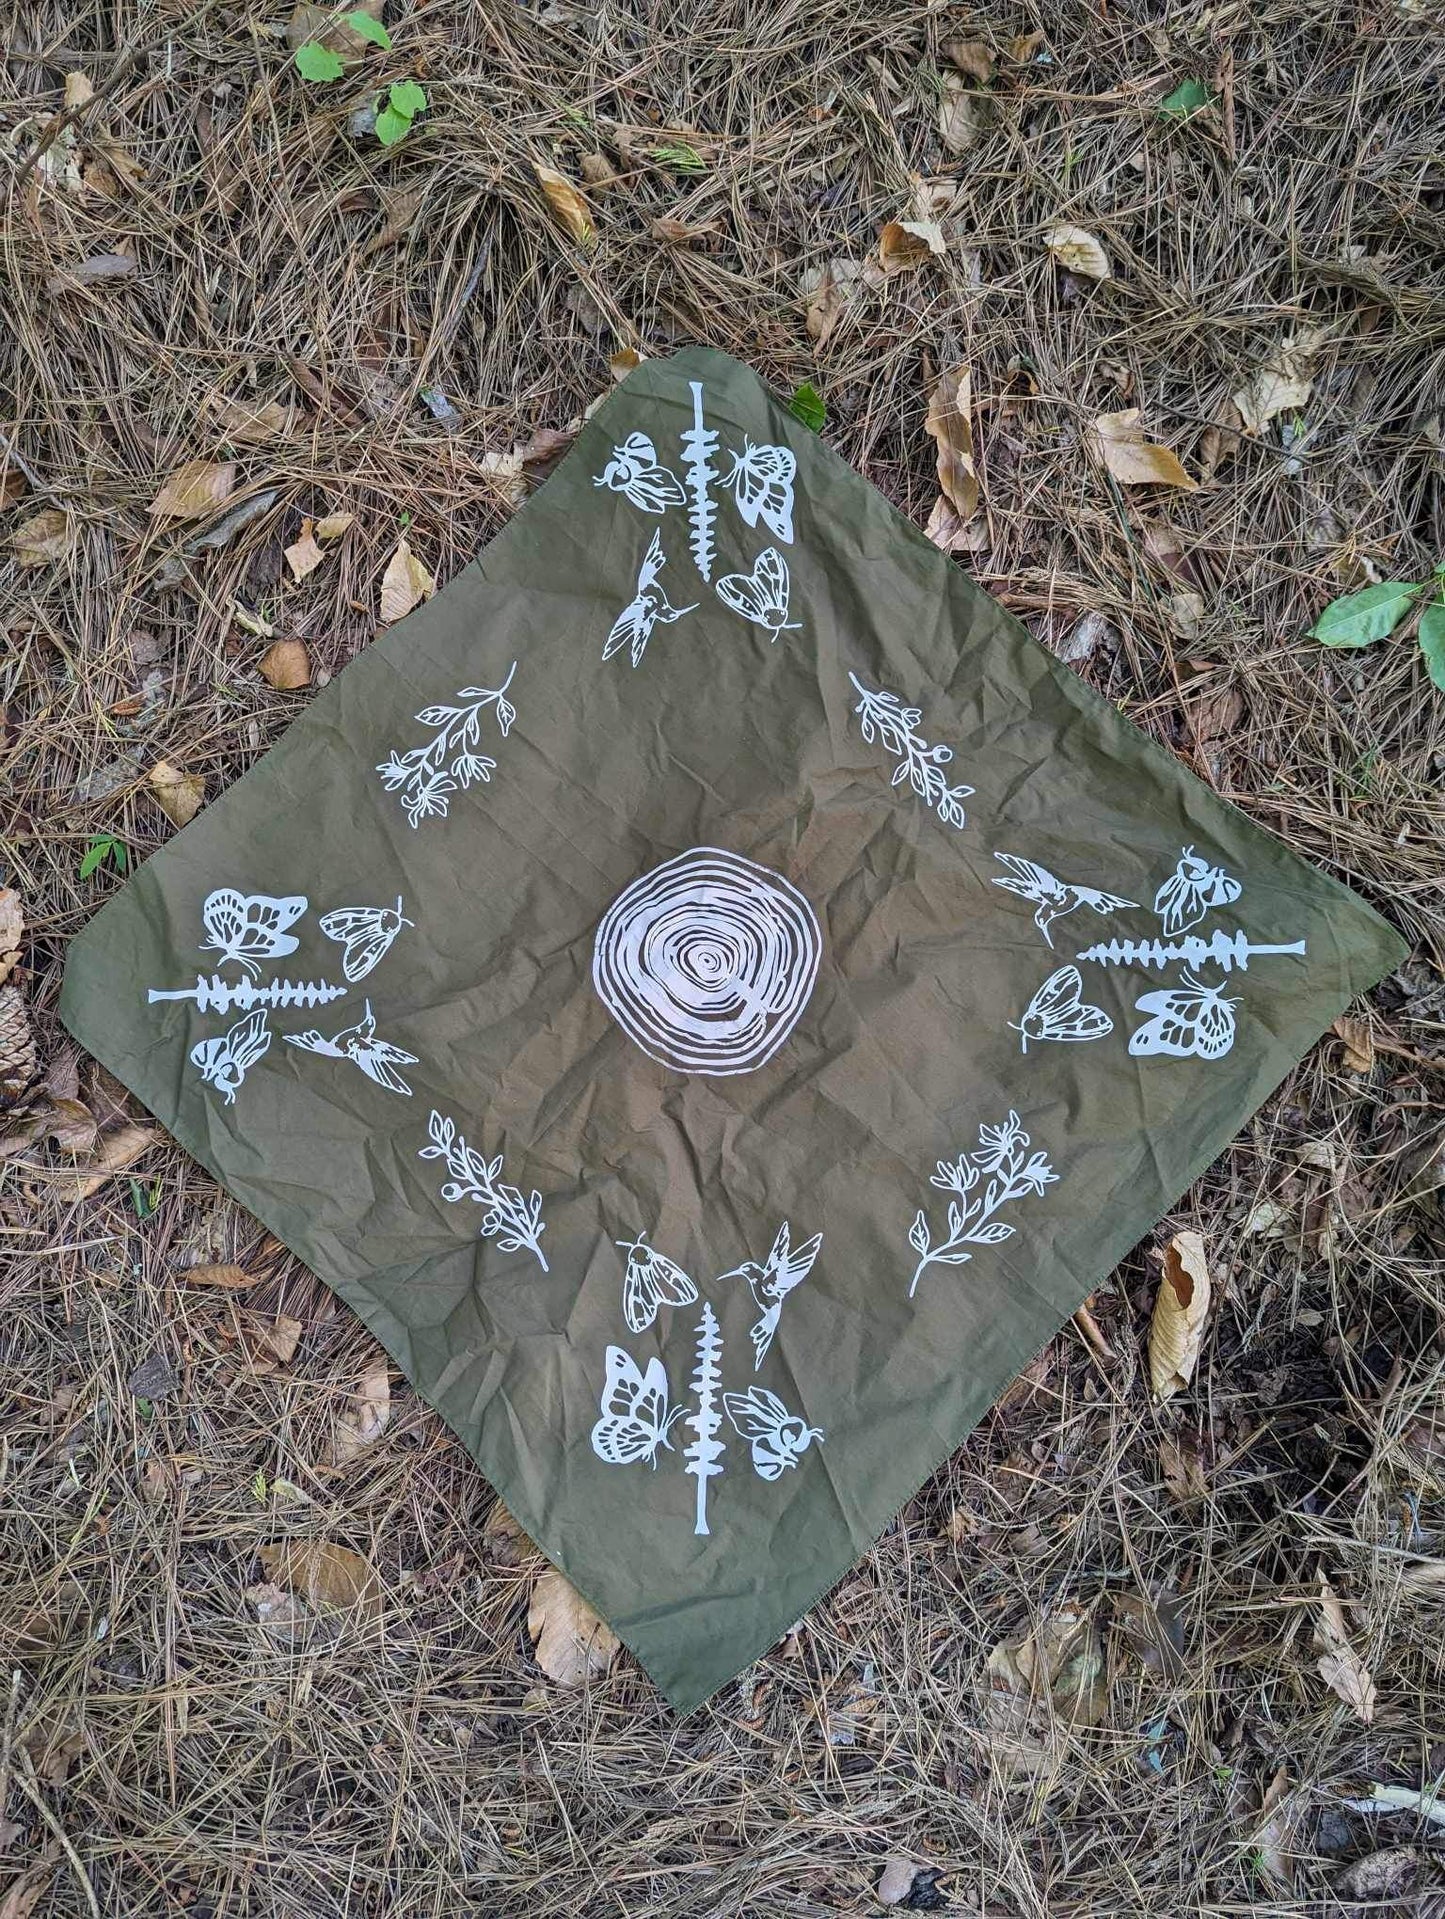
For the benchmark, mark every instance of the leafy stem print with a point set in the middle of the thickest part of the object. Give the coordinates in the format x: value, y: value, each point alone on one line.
x: 1001, y: 1159
x: 885, y: 717
x: 511, y: 1218
x: 428, y: 775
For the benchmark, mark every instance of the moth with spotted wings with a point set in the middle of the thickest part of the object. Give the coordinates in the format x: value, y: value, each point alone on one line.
x: 762, y: 595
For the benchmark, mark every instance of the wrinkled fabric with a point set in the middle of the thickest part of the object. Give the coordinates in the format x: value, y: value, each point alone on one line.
x: 741, y: 892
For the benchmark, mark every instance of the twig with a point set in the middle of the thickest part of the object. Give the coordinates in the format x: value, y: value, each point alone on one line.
x: 25, y: 1779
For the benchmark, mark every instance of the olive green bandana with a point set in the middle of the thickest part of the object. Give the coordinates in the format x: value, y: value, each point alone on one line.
x: 713, y: 995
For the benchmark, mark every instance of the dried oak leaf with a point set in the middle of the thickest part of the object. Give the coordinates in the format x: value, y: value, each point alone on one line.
x: 973, y: 57
x: 332, y: 525
x: 827, y: 293
x: 950, y: 423
x: 1283, y: 383
x: 963, y: 114
x: 323, y: 24
x: 1359, y: 1045
x: 179, y: 794
x: 1055, y: 1672
x: 405, y: 583
x: 194, y: 490
x: 1133, y: 460
x: 1180, y: 1311
x: 571, y: 1643
x: 253, y: 422
x: 286, y: 665
x: 225, y: 1278
x: 1079, y: 252
x: 1340, y: 1666
x: 115, y: 1152
x: 42, y: 538
x: 568, y: 205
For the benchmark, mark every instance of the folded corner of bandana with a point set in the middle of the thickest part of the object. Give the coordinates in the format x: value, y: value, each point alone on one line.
x: 734, y: 996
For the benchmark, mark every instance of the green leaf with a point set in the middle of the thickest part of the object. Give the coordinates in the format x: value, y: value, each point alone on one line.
x: 119, y: 858
x: 407, y: 99
x: 1432, y: 641
x: 102, y: 847
x: 365, y: 28
x: 807, y: 405
x: 315, y: 62
x: 392, y: 126
x: 1188, y: 97
x: 1371, y: 614
x: 681, y: 158
x: 258, y: 1485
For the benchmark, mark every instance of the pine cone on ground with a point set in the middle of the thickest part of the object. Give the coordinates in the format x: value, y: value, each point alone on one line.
x: 20, y: 1082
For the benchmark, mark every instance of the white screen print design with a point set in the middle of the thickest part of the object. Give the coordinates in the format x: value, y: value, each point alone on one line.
x: 633, y: 472
x: 771, y: 1283
x: 511, y: 1218
x: 699, y: 444
x: 649, y: 605
x: 426, y: 776
x: 761, y: 480
x: 1058, y: 1011
x: 224, y: 1062
x: 1191, y: 891
x: 762, y: 596
x: 1052, y: 898
x: 377, y: 1058
x: 762, y: 484
x: 883, y: 716
x: 707, y: 961
x: 365, y: 934
x: 1009, y: 1172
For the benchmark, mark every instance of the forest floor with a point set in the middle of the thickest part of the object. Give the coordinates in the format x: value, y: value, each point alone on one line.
x: 407, y: 335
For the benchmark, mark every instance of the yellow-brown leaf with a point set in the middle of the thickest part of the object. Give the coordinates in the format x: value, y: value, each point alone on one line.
x: 1180, y: 1311
x: 1079, y: 252
x: 327, y: 1576
x: 569, y: 206
x: 1132, y: 459
x: 1340, y: 1666
x: 906, y: 244
x: 180, y: 794
x: 303, y: 556
x: 404, y: 584
x: 12, y: 931
x: 42, y: 538
x: 286, y: 665
x: 571, y: 1642
x: 950, y: 423
x: 228, y: 1279
x: 194, y: 490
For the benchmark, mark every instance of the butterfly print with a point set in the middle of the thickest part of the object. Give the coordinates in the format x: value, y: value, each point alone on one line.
x: 636, y: 1414
x: 634, y: 473
x: 366, y: 933
x: 771, y: 1283
x: 633, y: 625
x: 1053, y: 898
x: 762, y: 595
x: 224, y: 1062
x: 376, y: 1057
x: 1190, y: 1021
x: 762, y: 484
x: 1191, y: 890
x: 247, y: 927
x: 777, y: 1436
x: 1058, y: 1011
x: 651, y: 1282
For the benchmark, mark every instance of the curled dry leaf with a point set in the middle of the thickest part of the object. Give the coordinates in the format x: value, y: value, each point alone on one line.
x: 1359, y: 1046
x: 973, y: 57
x: 333, y: 525
x: 279, y: 1337
x: 950, y: 422
x: 225, y: 1278
x: 896, y: 1880
x: 1283, y: 383
x: 1180, y: 1311
x: 365, y: 1420
x: 598, y: 171
x: 962, y: 114
x: 286, y: 665
x: 568, y: 204
x: 1132, y: 459
x: 181, y: 795
x: 1340, y: 1666
x: 330, y: 1578
x: 194, y: 490
x: 303, y: 556
x: 1055, y: 1672
x: 571, y: 1643
x: 624, y: 361
x: 404, y: 584
x: 1079, y: 252
x: 1182, y: 1469
x: 827, y: 291
x: 253, y: 422
x: 12, y: 931
x: 906, y: 244
x: 42, y: 538
x: 115, y: 1152
x: 950, y: 534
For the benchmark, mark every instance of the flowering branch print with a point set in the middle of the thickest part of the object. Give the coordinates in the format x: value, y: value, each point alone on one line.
x: 884, y: 716
x: 427, y: 775
x: 514, y: 1221
x: 1002, y: 1158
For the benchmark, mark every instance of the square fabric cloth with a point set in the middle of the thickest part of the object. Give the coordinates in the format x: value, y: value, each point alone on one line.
x: 713, y: 995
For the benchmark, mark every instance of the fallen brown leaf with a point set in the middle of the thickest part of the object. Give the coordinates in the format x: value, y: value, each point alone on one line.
x: 1283, y: 383
x: 950, y: 422
x: 504, y: 1540
x: 228, y: 1279
x: 827, y: 292
x: 954, y: 535
x: 303, y: 556
x: 253, y: 422
x: 12, y: 931
x: 1340, y: 1666
x: 1055, y: 1672
x: 568, y: 204
x: 895, y: 1882
x: 1132, y: 459
x: 962, y: 114
x: 624, y: 361
x: 22, y: 1895
x: 114, y: 1153
x: 310, y: 21
x: 906, y: 244
x: 180, y: 795
x: 598, y: 171
x: 286, y: 665
x: 365, y: 1420
x: 279, y: 1337
x: 973, y: 57
x: 679, y: 233
x: 194, y: 490
x: 1273, y: 1835
x: 405, y: 583
x: 279, y: 1612
x: 571, y: 1643
x: 1182, y: 1469
x: 1079, y: 252
x: 1359, y: 1044
x: 330, y: 1578
x: 333, y: 525
x: 44, y: 537
x: 1181, y: 1308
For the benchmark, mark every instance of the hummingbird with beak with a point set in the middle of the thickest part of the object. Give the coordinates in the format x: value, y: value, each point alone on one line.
x: 771, y: 1283
x: 377, y: 1058
x: 635, y: 622
x: 1053, y: 898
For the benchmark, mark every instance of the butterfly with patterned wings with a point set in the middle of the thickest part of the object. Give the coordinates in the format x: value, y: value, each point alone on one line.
x: 1058, y: 1011
x: 223, y: 1062
x: 651, y: 1282
x: 247, y: 927
x: 365, y: 934
x: 1191, y: 890
x: 762, y: 484
x: 1190, y: 1021
x: 762, y: 595
x: 636, y: 1414
x: 776, y: 1435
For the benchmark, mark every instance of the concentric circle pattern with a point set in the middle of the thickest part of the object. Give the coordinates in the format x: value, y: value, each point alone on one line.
x: 707, y: 961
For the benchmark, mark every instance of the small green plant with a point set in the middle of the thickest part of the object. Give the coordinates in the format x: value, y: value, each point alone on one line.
x: 144, y: 1199
x: 323, y: 64
x: 104, y: 846
x: 1359, y: 619
x: 258, y: 1486
x: 807, y: 405
x: 403, y: 103
x: 1187, y: 98
x: 681, y: 158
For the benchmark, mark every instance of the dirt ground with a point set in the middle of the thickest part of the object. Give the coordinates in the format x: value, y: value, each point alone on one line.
x: 399, y: 334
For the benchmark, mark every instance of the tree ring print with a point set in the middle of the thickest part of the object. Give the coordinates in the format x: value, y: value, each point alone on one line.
x: 707, y: 961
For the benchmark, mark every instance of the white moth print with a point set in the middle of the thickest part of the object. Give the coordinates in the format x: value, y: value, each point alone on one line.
x: 762, y: 484
x: 377, y: 1058
x: 365, y: 933
x: 1191, y: 890
x: 762, y: 595
x: 633, y: 472
x: 1190, y: 1021
x: 1050, y: 897
x: 224, y: 1062
x: 651, y: 1282
x: 1058, y: 1011
x: 636, y: 1414
x: 777, y: 1436
x: 633, y: 625
x: 247, y: 927
x: 771, y: 1283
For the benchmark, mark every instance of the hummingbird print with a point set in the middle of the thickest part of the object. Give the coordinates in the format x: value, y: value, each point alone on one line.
x: 635, y: 622
x: 376, y: 1057
x: 1053, y: 898
x: 771, y: 1283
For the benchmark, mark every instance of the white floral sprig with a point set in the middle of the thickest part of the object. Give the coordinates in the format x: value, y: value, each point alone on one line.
x: 884, y: 716
x: 1002, y: 1158
x: 512, y: 1219
x: 427, y: 775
